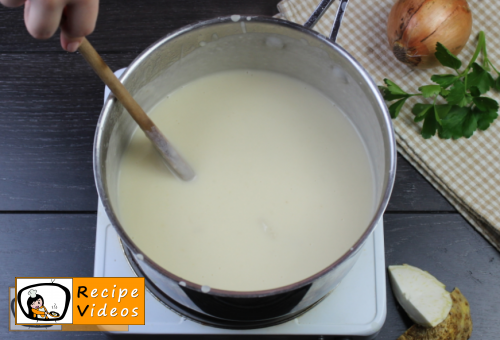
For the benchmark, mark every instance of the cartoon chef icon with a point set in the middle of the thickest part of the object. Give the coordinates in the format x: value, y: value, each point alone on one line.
x: 35, y: 305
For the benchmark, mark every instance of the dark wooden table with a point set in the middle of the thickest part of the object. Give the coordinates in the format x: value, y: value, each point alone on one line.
x: 49, y: 104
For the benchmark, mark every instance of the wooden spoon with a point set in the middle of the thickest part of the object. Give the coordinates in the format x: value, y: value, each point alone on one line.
x: 174, y: 160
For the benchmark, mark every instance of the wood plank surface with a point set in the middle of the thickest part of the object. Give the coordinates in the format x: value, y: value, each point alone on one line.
x: 412, y: 192
x: 34, y: 245
x: 49, y: 106
x: 448, y: 248
x: 50, y: 101
x: 443, y: 244
x: 125, y: 25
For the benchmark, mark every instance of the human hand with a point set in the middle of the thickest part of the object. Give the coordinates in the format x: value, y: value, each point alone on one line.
x: 75, y: 17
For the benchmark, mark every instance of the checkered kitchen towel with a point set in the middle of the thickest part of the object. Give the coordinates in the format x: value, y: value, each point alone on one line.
x: 465, y: 171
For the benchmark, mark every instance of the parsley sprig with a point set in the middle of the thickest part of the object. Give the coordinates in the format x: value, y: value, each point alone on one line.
x: 466, y: 109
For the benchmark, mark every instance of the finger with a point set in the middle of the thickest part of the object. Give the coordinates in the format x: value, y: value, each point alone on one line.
x: 12, y: 3
x: 42, y: 17
x: 80, y: 17
x: 79, y: 20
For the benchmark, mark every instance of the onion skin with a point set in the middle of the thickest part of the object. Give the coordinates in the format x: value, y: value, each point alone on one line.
x: 415, y: 26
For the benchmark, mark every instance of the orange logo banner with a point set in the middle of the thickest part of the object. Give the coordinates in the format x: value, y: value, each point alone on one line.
x: 108, y: 301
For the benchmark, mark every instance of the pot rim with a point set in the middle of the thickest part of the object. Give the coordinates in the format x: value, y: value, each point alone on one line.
x: 261, y: 293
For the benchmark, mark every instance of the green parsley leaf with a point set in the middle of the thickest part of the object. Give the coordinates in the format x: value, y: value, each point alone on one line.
x: 479, y: 78
x: 443, y: 133
x: 446, y: 58
x: 391, y: 96
x: 454, y: 120
x: 497, y: 84
x: 455, y: 116
x: 430, y: 90
x: 396, y: 107
x: 457, y: 94
x: 474, y: 91
x: 444, y: 80
x: 444, y: 92
x: 430, y: 124
x: 485, y: 104
x: 420, y: 111
x: 442, y: 111
x: 470, y: 125
x: 395, y: 89
x: 484, y: 119
x: 468, y: 98
x: 392, y: 91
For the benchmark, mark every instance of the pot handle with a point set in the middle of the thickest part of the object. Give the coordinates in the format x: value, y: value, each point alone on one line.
x: 321, y: 9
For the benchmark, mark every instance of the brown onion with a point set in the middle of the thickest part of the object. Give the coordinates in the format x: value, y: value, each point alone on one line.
x: 415, y: 26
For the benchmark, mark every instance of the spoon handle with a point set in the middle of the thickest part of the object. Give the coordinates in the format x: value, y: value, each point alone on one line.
x: 173, y: 159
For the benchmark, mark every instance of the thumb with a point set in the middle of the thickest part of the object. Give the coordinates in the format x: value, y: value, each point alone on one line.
x: 70, y: 44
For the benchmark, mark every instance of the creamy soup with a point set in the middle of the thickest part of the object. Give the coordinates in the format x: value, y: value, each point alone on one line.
x: 284, y: 185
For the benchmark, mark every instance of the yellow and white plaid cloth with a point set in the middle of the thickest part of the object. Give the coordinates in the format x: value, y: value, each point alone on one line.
x: 465, y: 171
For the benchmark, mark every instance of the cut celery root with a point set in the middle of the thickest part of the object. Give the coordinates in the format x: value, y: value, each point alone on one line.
x: 421, y: 295
x: 456, y: 326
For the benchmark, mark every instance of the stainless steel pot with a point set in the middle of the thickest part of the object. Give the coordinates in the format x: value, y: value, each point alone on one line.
x: 260, y: 43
